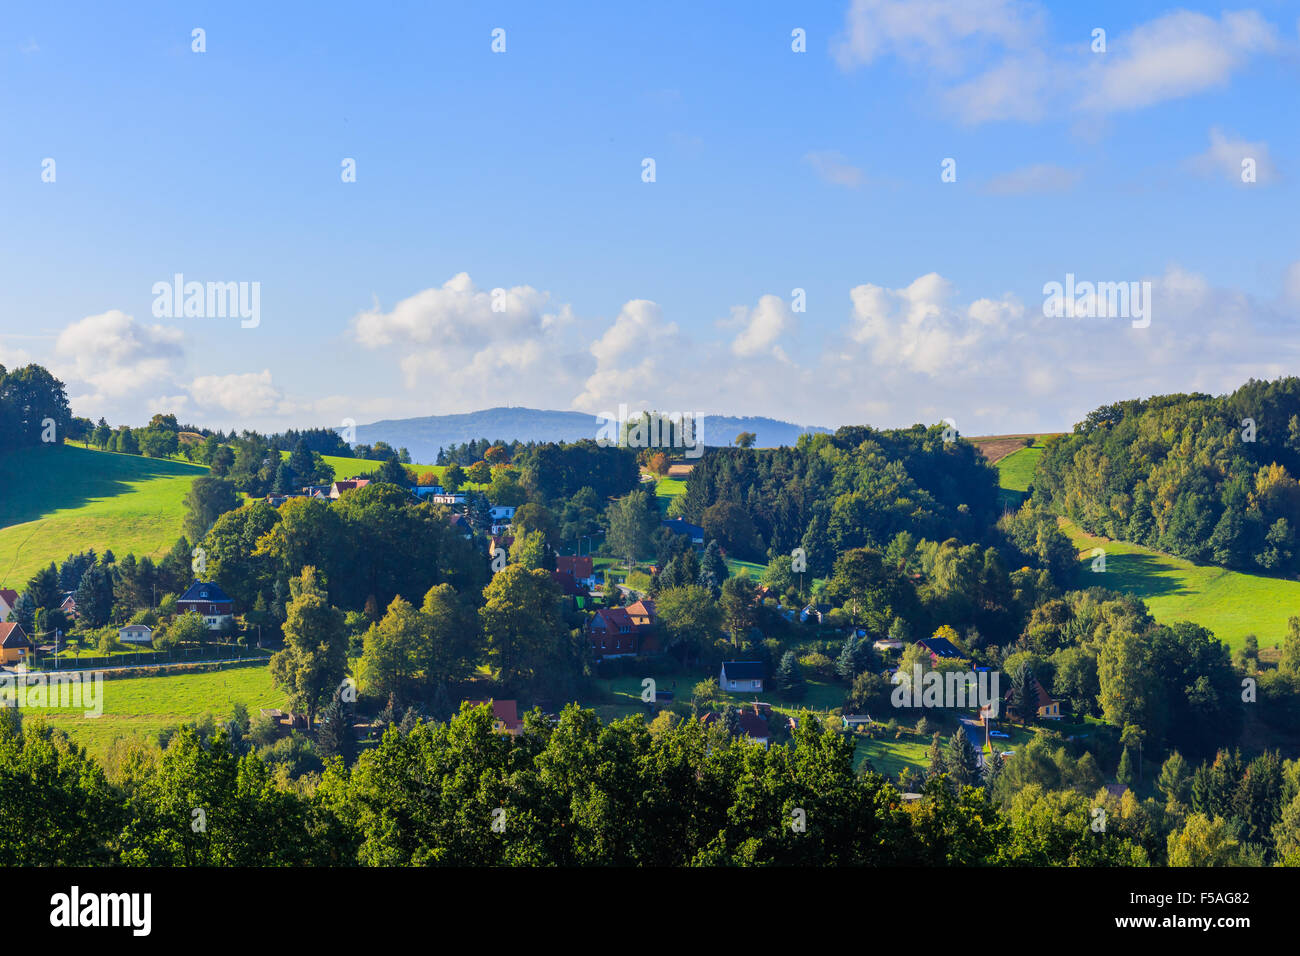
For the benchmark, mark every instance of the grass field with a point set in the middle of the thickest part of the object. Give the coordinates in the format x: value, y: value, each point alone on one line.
x: 142, y: 706
x: 1229, y: 603
x: 58, y: 500
x: 890, y: 756
x: 666, y: 489
x: 1016, y: 472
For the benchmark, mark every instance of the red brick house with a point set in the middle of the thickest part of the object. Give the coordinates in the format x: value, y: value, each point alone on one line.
x: 581, y: 569
x: 613, y: 634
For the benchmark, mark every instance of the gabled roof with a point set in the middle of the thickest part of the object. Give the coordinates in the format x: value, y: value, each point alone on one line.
x: 643, y: 608
x: 202, y: 592
x: 615, y: 617
x: 8, y: 596
x: 941, y: 647
x: 743, y: 670
x: 1044, y: 698
x: 682, y: 526
x: 12, y: 635
x: 349, y: 484
x: 578, y: 567
x: 754, y: 725
x: 506, y: 711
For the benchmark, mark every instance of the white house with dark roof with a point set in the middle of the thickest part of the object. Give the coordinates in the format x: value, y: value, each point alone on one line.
x: 741, y: 676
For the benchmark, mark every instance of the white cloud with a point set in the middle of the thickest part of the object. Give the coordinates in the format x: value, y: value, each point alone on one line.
x: 761, y: 327
x: 916, y: 328
x: 991, y: 60
x: 1039, y: 178
x: 936, y: 34
x: 831, y: 167
x: 470, y: 347
x: 1226, y: 154
x: 1175, y: 55
x: 636, y: 358
x: 12, y: 358
x: 247, y: 395
x: 116, y: 355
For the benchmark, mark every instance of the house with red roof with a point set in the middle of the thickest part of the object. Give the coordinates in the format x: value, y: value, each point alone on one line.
x: 505, y: 715
x: 14, y: 643
x: 580, y: 568
x: 8, y: 598
x: 339, y: 487
x: 612, y: 634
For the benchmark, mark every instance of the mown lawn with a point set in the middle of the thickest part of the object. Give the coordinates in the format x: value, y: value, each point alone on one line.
x: 142, y: 706
x: 1229, y: 603
x: 890, y: 756
x: 60, y: 499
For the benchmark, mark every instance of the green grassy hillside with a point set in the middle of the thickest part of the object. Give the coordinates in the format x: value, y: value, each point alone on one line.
x: 1015, y: 472
x: 1229, y: 603
x: 58, y: 500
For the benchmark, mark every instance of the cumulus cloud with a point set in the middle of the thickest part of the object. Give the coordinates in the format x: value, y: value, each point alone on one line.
x: 635, y: 356
x: 917, y: 328
x: 831, y: 167
x: 1227, y: 154
x: 761, y: 327
x: 481, y: 346
x: 116, y: 355
x: 248, y: 394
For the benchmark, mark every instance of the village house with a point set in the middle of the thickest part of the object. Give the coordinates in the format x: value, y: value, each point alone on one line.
x: 210, y: 603
x: 1048, y: 709
x: 14, y: 643
x: 69, y: 605
x: 941, y: 649
x: 505, y: 715
x: 502, y: 516
x: 8, y: 598
x: 741, y: 676
x: 339, y: 487
x: 452, y: 499
x: 643, y: 617
x: 580, y: 568
x: 682, y: 526
x: 135, y: 634
x: 752, y: 719
x: 612, y: 634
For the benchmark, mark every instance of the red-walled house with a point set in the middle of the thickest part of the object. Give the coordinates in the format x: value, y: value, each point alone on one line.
x: 613, y: 634
x: 209, y: 602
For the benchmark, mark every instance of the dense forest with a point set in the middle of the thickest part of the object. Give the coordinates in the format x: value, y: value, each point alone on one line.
x: 832, y: 493
x: 1205, y: 478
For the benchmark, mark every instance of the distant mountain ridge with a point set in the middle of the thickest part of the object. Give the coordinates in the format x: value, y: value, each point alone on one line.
x: 422, y: 437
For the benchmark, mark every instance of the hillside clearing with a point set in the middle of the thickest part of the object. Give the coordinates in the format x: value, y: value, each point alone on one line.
x: 1229, y: 603
x: 60, y: 500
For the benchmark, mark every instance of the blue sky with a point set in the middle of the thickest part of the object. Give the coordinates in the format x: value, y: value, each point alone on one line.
x: 522, y: 171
